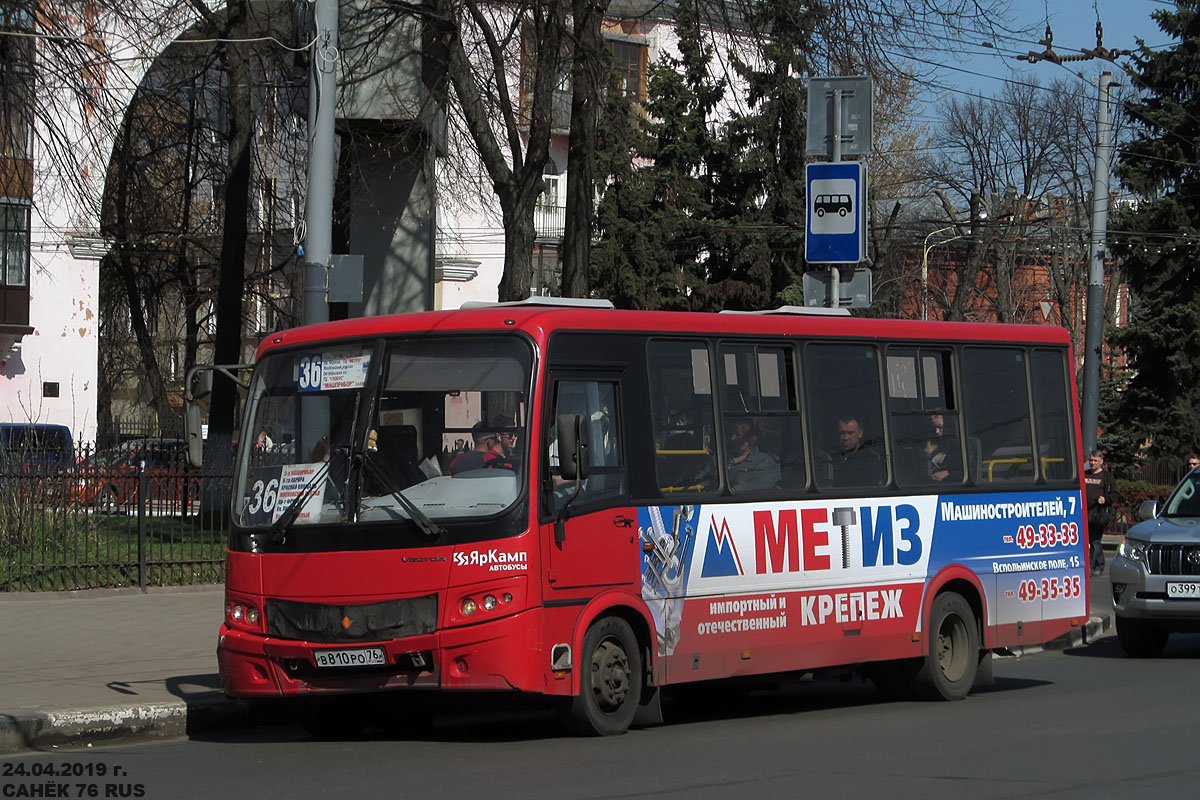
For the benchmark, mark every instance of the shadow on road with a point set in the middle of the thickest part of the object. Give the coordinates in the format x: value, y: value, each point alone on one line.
x: 1179, y: 646
x: 488, y: 719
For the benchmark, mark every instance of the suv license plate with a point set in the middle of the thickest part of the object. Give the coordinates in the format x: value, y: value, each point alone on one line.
x: 358, y: 657
x: 1183, y: 590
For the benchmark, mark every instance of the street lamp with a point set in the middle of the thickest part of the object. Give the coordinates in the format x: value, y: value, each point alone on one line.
x: 925, y: 266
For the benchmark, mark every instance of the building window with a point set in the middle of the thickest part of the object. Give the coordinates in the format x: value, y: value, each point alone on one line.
x: 16, y: 69
x: 629, y: 68
x: 14, y: 244
x: 49, y: 388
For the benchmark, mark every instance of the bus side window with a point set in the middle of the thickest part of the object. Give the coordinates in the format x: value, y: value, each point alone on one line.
x: 682, y: 416
x: 1052, y: 415
x: 596, y: 402
x: 844, y: 401
x: 760, y: 419
x: 996, y: 399
x: 927, y: 442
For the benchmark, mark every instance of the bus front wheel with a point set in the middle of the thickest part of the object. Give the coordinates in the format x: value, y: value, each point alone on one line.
x: 948, y: 671
x: 610, y: 684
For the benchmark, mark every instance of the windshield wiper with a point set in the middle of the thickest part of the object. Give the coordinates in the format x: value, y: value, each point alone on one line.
x: 281, y: 526
x: 422, y: 520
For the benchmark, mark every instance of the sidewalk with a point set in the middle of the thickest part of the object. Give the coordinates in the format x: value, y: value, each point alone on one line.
x: 77, y: 667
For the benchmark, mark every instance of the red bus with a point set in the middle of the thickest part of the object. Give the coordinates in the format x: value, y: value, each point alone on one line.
x: 570, y: 500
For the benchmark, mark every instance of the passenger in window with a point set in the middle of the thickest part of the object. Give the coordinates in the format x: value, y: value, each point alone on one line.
x: 485, y: 447
x: 508, y: 438
x: 859, y: 462
x: 945, y: 461
x: 750, y: 469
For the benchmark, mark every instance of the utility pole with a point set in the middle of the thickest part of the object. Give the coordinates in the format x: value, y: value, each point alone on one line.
x: 318, y: 205
x: 835, y: 276
x: 1094, y: 332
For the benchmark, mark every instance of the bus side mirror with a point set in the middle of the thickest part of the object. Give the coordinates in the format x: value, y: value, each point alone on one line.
x: 194, y: 431
x: 572, y: 447
x: 200, y: 383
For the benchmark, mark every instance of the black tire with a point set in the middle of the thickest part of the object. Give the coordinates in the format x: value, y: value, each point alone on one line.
x: 1140, y: 638
x: 842, y: 212
x: 820, y: 212
x: 948, y: 670
x: 610, y: 680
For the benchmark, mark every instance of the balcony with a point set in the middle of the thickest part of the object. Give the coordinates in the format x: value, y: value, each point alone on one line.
x: 549, y: 221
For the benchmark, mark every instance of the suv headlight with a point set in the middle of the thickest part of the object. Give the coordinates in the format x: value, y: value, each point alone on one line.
x: 1132, y: 549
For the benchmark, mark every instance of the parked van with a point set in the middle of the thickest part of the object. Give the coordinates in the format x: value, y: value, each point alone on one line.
x: 36, y: 445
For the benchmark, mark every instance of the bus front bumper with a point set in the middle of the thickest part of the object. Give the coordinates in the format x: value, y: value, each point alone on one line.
x: 493, y: 655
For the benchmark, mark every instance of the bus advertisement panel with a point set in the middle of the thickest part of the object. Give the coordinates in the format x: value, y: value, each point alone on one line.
x: 594, y: 504
x: 729, y: 576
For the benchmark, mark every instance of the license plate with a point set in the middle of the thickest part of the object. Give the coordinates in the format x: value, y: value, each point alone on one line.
x: 357, y: 657
x: 1183, y: 590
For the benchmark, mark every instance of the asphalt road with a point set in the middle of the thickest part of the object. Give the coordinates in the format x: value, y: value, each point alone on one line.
x: 1082, y: 723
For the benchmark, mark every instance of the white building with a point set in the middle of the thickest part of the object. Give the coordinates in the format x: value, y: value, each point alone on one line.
x: 48, y: 276
x: 470, y: 236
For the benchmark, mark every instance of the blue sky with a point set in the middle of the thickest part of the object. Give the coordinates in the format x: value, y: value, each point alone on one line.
x: 1073, y: 23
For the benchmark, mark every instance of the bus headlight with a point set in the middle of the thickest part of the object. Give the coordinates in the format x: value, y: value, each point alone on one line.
x: 487, y: 601
x: 243, y: 614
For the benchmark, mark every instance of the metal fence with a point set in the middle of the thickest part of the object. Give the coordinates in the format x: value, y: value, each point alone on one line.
x: 134, y: 514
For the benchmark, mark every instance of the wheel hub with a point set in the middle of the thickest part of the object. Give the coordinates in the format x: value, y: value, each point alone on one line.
x: 610, y: 675
x: 951, y: 644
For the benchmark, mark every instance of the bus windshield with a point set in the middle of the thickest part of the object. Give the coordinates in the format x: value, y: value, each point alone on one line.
x: 419, y: 428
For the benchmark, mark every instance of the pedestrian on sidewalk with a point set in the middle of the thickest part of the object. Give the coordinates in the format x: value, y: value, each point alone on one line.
x: 1101, y: 489
x: 1193, y: 461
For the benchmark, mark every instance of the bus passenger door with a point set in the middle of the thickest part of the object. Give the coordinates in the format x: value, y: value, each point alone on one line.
x: 597, y: 545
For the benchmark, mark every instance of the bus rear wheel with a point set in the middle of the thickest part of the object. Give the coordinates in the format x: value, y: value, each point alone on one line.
x: 948, y: 670
x: 610, y: 684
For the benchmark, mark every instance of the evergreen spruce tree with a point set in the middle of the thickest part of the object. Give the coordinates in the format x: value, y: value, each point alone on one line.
x: 653, y: 218
x: 758, y: 201
x: 1159, y: 402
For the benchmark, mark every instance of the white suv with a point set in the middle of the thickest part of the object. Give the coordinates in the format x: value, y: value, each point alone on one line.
x: 1156, y: 573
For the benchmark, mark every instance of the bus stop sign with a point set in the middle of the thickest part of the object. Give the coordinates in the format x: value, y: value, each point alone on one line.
x: 835, y: 230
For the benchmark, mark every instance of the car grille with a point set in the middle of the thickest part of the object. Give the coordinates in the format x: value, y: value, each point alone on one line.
x: 1173, y: 559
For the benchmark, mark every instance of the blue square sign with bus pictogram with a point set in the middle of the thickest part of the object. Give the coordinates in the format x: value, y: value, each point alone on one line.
x: 835, y: 215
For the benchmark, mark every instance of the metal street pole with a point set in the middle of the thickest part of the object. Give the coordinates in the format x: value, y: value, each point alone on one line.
x: 835, y: 275
x: 1094, y: 331
x: 318, y: 202
x: 925, y: 266
x: 318, y: 205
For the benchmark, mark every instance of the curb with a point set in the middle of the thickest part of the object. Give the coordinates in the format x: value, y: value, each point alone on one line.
x: 38, y: 730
